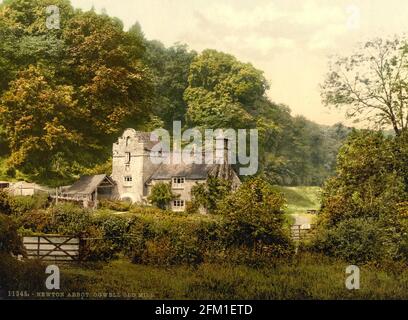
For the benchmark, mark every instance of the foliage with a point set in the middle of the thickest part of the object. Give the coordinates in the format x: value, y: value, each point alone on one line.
x: 359, y: 205
x: 161, y: 194
x: 116, y: 205
x: 371, y: 83
x: 222, y: 91
x: 170, y: 68
x: 19, y: 276
x: 70, y: 91
x: 207, y: 195
x: 24, y: 204
x: 10, y: 242
x: 6, y: 203
x: 66, y: 94
x: 255, y: 217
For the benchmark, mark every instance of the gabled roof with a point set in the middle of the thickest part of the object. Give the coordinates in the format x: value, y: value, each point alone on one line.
x: 88, y: 184
x: 190, y: 171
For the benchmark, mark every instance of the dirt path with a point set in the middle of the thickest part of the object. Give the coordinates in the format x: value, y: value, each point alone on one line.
x: 301, y: 219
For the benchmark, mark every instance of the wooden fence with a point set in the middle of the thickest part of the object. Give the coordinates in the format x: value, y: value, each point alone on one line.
x: 301, y: 232
x: 52, y: 248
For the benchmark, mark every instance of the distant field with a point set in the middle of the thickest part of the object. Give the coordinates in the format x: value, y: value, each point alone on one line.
x: 301, y: 199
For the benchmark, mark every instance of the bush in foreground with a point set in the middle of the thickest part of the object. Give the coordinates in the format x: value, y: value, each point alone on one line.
x: 363, y: 212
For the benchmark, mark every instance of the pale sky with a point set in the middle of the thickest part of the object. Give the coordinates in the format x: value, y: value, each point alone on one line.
x: 290, y: 40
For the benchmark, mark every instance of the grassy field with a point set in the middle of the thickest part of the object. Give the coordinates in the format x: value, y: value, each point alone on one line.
x: 299, y: 200
x: 306, y: 277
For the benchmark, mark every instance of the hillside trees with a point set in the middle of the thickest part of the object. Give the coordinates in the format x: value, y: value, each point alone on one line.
x: 68, y: 92
x: 65, y: 95
x: 222, y: 91
x: 170, y: 68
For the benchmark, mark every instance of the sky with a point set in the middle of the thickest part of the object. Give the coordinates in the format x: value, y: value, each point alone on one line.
x: 290, y: 40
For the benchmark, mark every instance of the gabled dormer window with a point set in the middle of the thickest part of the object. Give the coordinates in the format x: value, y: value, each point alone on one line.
x: 178, y: 182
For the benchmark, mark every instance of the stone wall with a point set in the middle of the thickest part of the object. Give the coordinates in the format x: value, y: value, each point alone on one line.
x: 131, y: 158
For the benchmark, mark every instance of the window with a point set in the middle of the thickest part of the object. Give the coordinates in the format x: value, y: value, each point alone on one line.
x: 178, y: 204
x: 127, y: 157
x: 178, y: 183
x: 128, y: 179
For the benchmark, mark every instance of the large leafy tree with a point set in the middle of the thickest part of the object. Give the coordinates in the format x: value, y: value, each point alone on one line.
x: 67, y: 92
x: 39, y: 119
x: 104, y: 63
x: 170, y: 68
x: 25, y: 38
x: 372, y: 84
x: 222, y: 91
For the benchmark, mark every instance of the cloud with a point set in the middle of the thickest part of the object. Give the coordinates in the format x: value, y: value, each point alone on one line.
x: 268, y: 27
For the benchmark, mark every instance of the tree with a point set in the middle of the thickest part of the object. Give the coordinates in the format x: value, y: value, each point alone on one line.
x: 170, y: 68
x: 161, y: 195
x: 67, y: 93
x: 104, y: 63
x: 372, y: 84
x: 25, y: 38
x: 222, y: 91
x: 38, y: 117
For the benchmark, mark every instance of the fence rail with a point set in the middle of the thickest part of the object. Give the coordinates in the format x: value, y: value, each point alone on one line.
x: 301, y: 232
x: 52, y: 248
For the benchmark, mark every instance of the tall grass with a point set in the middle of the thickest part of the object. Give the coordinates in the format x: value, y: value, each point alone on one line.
x: 305, y: 277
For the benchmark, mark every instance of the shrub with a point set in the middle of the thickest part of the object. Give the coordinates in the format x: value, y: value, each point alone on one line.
x: 209, y: 194
x: 114, y: 228
x: 10, y: 242
x: 169, y: 241
x: 70, y: 219
x: 18, y: 275
x: 355, y: 240
x: 23, y: 204
x: 161, y: 194
x: 38, y: 221
x: 255, y: 216
x: 116, y: 205
x: 6, y: 203
x: 362, y: 216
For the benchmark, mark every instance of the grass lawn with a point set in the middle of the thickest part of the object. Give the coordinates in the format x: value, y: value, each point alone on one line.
x: 306, y: 277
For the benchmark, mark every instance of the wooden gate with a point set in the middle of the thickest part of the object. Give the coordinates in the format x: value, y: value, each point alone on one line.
x: 301, y: 232
x: 52, y: 248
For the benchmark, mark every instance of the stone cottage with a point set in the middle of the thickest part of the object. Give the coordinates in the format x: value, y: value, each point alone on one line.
x: 134, y: 172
